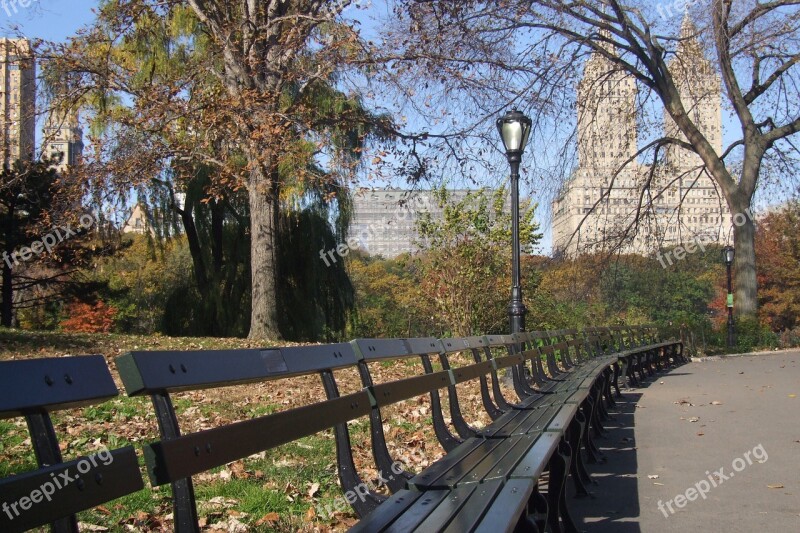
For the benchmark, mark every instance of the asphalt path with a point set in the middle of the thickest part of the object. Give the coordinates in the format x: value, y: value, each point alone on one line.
x: 712, y: 445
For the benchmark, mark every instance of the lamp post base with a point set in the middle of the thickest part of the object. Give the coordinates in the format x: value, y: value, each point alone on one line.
x: 516, y: 316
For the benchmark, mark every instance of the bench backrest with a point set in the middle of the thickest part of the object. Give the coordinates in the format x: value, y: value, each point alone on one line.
x: 176, y: 457
x: 429, y: 382
x: 58, y: 489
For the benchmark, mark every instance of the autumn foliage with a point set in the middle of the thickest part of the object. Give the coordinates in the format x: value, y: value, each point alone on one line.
x: 89, y: 318
x: 778, y: 252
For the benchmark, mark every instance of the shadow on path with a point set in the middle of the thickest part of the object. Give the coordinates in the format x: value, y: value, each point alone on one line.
x: 614, y: 506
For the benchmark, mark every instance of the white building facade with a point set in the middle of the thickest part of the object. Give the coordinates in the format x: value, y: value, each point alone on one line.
x: 612, y: 202
x: 385, y: 220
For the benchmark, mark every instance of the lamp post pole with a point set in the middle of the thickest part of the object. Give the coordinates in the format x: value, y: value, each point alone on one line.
x: 728, y: 253
x: 516, y: 309
x: 514, y: 128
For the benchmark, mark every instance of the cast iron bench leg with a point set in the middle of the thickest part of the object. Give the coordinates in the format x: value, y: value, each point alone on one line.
x: 593, y: 454
x: 537, y: 517
x: 556, y: 484
x: 616, y: 379
x: 574, y: 436
x: 630, y: 370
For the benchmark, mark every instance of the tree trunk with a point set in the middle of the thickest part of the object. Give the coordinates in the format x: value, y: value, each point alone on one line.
x: 195, y: 249
x: 745, y: 295
x: 6, y: 313
x: 263, y: 256
x: 8, y: 295
x: 745, y: 303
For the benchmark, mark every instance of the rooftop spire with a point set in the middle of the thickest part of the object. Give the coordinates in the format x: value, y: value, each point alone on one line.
x: 688, y: 29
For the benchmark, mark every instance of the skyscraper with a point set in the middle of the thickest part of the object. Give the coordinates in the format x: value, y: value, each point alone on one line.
x: 17, y: 100
x: 63, y: 140
x: 611, y: 200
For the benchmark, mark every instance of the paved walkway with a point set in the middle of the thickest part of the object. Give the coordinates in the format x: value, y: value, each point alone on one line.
x: 738, y: 414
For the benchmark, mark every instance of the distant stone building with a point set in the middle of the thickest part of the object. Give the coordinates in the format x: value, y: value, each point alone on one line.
x: 595, y: 209
x: 385, y: 220
x: 138, y: 222
x: 157, y: 221
x: 63, y: 140
x: 17, y: 100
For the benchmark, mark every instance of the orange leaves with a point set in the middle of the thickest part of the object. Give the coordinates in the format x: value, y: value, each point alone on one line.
x: 89, y: 318
x: 778, y: 256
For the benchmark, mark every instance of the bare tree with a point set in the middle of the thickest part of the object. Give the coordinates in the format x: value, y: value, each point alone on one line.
x: 527, y: 53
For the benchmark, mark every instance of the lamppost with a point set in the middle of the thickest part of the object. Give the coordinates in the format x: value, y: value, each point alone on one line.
x: 514, y: 128
x: 727, y: 254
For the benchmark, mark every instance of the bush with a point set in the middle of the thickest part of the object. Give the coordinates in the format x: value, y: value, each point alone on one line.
x: 751, y: 335
x: 89, y: 318
x: 789, y: 338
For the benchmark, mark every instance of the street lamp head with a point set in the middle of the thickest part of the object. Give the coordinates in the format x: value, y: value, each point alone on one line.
x: 727, y: 255
x: 514, y: 128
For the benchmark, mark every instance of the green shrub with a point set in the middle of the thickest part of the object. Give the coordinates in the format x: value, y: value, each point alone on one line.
x: 752, y: 335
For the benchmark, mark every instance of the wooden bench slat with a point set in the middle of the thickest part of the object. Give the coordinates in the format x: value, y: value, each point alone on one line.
x: 418, y: 511
x: 437, y: 469
x: 460, y: 344
x: 448, y: 508
x: 495, y: 341
x: 508, y: 361
x: 493, y: 468
x: 53, y: 383
x: 565, y: 415
x: 378, y: 349
x: 403, y: 389
x: 449, y: 474
x: 173, y: 371
x: 534, y: 420
x: 170, y: 460
x: 387, y: 512
x: 110, y: 477
x: 468, y: 373
x: 474, y: 467
x: 428, y: 345
x: 511, y: 502
x: 481, y: 500
x: 535, y: 461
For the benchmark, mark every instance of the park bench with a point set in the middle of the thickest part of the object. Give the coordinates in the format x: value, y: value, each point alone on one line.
x: 546, y: 394
x: 490, y: 479
x: 58, y: 489
x: 541, y: 427
x: 654, y: 354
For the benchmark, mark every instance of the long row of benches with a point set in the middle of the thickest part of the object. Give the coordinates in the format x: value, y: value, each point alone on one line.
x: 563, y: 382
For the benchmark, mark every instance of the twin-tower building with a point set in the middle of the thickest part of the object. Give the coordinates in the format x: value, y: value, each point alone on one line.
x: 613, y: 200
x: 62, y: 142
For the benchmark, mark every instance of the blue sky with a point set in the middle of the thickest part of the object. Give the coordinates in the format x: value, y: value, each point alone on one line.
x: 53, y: 20
x: 57, y: 20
